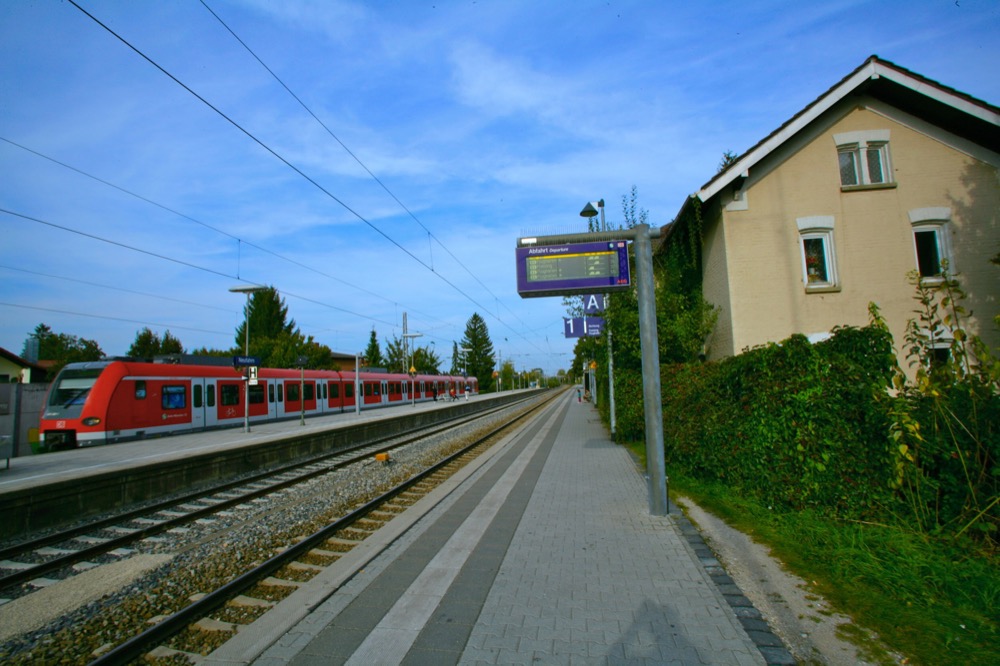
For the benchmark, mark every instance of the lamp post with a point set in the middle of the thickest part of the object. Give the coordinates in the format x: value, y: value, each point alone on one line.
x: 413, y: 370
x: 465, y: 368
x: 589, y: 212
x: 246, y: 289
x: 357, y: 384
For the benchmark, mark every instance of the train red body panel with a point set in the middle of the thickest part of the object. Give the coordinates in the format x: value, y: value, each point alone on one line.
x: 111, y: 401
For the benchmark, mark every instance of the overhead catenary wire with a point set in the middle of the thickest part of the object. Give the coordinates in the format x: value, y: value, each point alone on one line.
x: 113, y: 287
x: 270, y: 150
x: 176, y: 261
x: 110, y: 318
x: 357, y: 159
x: 304, y: 175
x: 223, y: 232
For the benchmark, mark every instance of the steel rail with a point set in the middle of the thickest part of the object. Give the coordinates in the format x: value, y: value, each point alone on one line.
x: 62, y: 561
x: 138, y: 645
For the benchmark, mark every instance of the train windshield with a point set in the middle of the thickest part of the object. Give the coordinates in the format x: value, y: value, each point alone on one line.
x: 72, y: 386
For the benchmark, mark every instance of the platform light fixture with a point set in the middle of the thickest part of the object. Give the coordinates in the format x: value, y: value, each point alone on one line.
x: 247, y: 289
x: 589, y: 211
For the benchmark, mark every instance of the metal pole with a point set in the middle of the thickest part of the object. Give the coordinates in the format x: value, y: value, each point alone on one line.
x: 611, y: 384
x: 652, y: 409
x: 357, y: 384
x: 246, y: 377
x: 611, y: 359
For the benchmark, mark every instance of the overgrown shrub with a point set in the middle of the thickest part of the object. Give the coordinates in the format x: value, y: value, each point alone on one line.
x: 792, y: 424
x: 630, y: 423
x: 946, y: 420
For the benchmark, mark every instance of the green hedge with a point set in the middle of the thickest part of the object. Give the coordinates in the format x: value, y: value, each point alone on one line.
x: 795, y: 424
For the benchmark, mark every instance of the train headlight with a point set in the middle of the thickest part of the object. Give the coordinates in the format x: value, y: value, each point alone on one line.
x: 91, y: 421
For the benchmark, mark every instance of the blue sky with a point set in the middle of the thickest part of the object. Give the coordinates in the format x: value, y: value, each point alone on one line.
x: 483, y: 121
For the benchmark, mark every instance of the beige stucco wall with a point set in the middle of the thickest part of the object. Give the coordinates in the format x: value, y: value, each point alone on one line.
x: 873, y: 236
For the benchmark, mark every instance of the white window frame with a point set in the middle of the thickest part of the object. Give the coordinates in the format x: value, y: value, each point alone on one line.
x: 818, y: 227
x: 858, y: 145
x: 934, y: 220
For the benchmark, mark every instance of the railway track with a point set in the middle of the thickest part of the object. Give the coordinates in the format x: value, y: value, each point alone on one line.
x: 69, y: 551
x: 214, y: 615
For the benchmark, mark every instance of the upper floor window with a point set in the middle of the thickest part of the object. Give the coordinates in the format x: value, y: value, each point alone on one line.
x: 819, y: 264
x: 930, y: 241
x: 864, y: 158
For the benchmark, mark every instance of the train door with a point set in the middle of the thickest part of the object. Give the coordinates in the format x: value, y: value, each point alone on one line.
x: 385, y: 392
x: 272, y: 405
x: 211, y: 415
x: 198, y: 403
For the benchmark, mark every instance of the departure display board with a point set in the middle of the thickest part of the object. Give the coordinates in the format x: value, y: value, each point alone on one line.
x: 574, y: 268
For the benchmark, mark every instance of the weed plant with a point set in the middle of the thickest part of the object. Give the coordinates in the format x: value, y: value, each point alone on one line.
x: 883, y: 485
x: 930, y: 599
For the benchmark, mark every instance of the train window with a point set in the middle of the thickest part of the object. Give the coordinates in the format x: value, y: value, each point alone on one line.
x: 196, y: 398
x: 72, y: 386
x: 310, y: 391
x: 334, y: 391
x: 281, y: 392
x: 229, y: 394
x: 211, y: 395
x: 257, y: 395
x: 348, y: 390
x: 173, y: 397
x: 368, y: 390
x: 323, y: 389
x: 292, y: 392
x: 140, y: 390
x: 270, y: 392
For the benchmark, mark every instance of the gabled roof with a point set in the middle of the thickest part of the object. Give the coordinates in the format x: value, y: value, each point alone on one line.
x: 17, y: 360
x: 961, y: 114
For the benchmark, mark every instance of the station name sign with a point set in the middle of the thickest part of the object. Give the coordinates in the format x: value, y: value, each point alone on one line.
x: 572, y: 268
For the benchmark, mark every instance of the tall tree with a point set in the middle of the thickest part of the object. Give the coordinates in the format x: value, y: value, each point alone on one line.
x: 426, y: 361
x: 62, y: 348
x: 268, y: 316
x: 456, y: 360
x: 480, y: 355
x: 395, y: 355
x: 148, y: 344
x: 287, y: 350
x: 373, y: 355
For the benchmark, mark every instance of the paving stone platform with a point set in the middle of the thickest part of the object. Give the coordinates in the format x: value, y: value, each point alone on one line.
x: 546, y: 554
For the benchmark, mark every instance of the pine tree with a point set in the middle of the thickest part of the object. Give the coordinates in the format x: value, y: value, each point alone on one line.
x: 373, y: 355
x: 268, y: 317
x: 480, y: 355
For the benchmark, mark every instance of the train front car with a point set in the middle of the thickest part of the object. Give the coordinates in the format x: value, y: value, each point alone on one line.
x: 76, y: 408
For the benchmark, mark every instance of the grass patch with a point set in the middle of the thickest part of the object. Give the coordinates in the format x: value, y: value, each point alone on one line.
x: 934, y: 601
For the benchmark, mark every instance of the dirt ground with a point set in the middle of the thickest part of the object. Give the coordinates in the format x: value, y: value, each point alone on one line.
x: 796, y: 613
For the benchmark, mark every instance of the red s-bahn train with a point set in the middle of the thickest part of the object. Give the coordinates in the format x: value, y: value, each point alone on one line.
x: 118, y: 400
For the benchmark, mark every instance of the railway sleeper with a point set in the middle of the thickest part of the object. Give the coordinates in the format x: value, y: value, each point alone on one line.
x: 250, y: 602
x: 216, y: 626
x: 271, y: 581
x: 320, y: 552
x: 303, y: 566
x: 339, y: 545
x: 382, y: 514
x: 164, y: 652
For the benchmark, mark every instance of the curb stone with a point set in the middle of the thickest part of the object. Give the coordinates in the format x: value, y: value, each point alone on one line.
x: 771, y: 648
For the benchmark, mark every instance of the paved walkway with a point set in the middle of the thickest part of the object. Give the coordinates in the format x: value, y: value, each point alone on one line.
x: 546, y: 554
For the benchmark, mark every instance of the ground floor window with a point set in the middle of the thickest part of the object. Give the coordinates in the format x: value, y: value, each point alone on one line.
x: 819, y: 266
x: 931, y: 242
